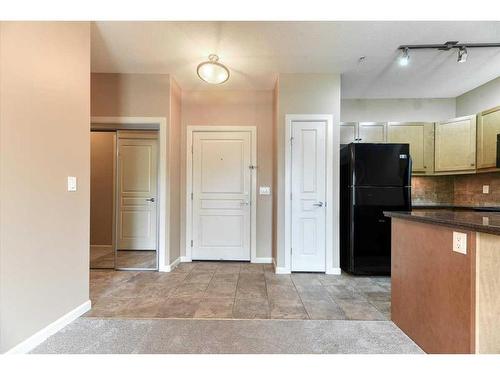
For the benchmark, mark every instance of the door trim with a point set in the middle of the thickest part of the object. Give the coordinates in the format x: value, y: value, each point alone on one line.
x: 189, y: 184
x: 145, y: 123
x: 332, y: 200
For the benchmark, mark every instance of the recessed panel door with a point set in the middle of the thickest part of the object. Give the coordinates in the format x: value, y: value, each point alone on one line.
x: 308, y: 196
x: 137, y: 194
x: 221, y: 195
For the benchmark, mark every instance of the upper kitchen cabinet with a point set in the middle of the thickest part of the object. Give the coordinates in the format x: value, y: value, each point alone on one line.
x: 488, y: 126
x: 372, y: 132
x: 420, y: 137
x: 348, y: 132
x: 455, y: 145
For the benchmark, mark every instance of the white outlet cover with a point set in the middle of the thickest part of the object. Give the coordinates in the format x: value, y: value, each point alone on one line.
x: 265, y: 190
x: 71, y: 183
x: 460, y: 242
x: 486, y: 189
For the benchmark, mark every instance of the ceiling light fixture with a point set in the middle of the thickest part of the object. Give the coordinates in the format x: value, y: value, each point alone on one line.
x: 462, y: 55
x: 462, y: 49
x: 404, y: 59
x: 212, y: 71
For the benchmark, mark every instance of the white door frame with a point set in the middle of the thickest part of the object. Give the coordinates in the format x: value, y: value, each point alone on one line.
x: 160, y: 124
x: 332, y: 199
x: 189, y: 184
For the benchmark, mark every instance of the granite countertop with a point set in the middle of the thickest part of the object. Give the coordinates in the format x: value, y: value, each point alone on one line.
x: 487, y: 222
x: 451, y: 206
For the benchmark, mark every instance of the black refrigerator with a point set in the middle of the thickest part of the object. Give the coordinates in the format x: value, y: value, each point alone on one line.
x: 373, y: 178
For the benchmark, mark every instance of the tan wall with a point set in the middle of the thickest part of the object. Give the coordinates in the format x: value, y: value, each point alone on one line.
x: 235, y: 108
x: 305, y: 94
x: 138, y: 95
x: 175, y: 168
x: 44, y: 137
x: 102, y: 146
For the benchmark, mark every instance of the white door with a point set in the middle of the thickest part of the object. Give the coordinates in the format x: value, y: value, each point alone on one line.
x: 221, y: 196
x: 137, y: 194
x: 308, y: 196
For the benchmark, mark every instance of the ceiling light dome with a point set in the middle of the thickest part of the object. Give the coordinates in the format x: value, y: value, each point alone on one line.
x: 212, y: 71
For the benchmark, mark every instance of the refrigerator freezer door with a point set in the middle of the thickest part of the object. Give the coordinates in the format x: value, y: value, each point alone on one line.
x: 381, y: 164
x: 371, y: 231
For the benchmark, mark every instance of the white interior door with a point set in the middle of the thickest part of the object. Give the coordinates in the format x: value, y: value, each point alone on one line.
x: 308, y: 222
x: 137, y: 194
x: 221, y: 195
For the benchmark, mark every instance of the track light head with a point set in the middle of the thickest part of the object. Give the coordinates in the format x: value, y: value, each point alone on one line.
x: 462, y: 55
x: 404, y: 59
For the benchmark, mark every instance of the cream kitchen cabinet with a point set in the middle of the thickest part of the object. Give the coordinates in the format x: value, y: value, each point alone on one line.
x: 455, y: 146
x: 420, y: 137
x: 488, y: 126
x: 363, y: 132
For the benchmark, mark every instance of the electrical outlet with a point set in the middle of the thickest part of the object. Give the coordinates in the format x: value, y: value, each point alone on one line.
x: 460, y: 242
x: 486, y: 189
x: 264, y: 190
x: 71, y: 183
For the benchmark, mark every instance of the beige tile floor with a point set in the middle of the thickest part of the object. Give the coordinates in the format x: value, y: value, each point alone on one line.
x: 105, y: 258
x: 222, y: 290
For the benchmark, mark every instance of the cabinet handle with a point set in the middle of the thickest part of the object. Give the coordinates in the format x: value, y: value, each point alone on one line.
x: 472, y: 164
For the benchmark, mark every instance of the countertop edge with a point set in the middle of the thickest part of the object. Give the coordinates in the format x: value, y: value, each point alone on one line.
x: 441, y: 221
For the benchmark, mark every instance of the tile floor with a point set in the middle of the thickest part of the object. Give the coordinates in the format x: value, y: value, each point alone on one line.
x: 222, y: 290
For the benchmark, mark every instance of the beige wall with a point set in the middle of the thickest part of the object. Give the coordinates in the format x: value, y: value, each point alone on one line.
x: 44, y: 137
x: 244, y: 108
x: 136, y: 95
x: 305, y: 94
x: 397, y: 109
x: 479, y: 99
x: 102, y: 160
x: 175, y: 168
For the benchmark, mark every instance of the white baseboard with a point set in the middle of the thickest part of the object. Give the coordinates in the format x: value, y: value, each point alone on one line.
x: 185, y: 259
x: 333, y: 271
x: 262, y: 260
x: 33, y: 341
x: 170, y: 267
x: 280, y: 270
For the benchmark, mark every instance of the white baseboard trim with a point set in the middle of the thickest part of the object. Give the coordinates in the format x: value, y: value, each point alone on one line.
x: 33, y: 341
x: 170, y: 267
x: 185, y: 259
x: 333, y: 271
x: 262, y: 260
x: 280, y: 270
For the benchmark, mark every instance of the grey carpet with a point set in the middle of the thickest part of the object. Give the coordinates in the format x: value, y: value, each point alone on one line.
x: 92, y: 335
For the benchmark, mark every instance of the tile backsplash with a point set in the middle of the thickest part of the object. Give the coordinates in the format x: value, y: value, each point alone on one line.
x: 459, y: 189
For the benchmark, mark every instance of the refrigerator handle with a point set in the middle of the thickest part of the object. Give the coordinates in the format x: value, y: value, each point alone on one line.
x: 410, y: 168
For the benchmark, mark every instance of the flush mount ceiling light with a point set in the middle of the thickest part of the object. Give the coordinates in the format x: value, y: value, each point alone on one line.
x: 212, y: 71
x: 462, y: 49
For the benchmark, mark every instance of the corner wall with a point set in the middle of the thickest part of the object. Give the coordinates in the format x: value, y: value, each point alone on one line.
x: 306, y: 94
x: 44, y: 137
x: 479, y: 99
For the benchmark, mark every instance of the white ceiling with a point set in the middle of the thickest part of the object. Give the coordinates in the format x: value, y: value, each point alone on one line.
x: 256, y: 51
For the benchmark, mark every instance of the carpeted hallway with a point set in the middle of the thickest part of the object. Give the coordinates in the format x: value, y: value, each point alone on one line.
x: 164, y: 336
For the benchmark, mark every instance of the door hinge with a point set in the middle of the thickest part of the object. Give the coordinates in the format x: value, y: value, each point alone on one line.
x: 191, y: 243
x: 191, y: 196
x: 291, y: 139
x: 290, y: 196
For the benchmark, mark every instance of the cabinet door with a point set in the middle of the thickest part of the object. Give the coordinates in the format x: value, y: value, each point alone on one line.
x: 347, y: 132
x: 488, y: 126
x: 420, y: 137
x: 455, y: 145
x: 372, y: 132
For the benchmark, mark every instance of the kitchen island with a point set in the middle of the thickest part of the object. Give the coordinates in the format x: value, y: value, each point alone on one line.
x: 446, y: 296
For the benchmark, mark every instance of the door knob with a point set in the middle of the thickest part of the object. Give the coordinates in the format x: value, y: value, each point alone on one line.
x: 319, y: 204
x: 246, y: 203
x: 150, y: 199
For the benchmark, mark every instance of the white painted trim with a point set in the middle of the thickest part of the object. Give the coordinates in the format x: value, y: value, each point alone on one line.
x: 170, y: 267
x: 36, y: 339
x: 280, y: 270
x: 333, y: 271
x: 331, y: 200
x: 186, y: 259
x: 189, y: 183
x: 263, y: 260
x: 108, y: 122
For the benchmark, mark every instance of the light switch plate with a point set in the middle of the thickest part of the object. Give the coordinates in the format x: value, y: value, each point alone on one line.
x: 265, y: 190
x: 486, y: 189
x: 71, y: 183
x: 460, y: 242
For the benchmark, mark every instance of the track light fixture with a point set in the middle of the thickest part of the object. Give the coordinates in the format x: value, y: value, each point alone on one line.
x: 462, y: 49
